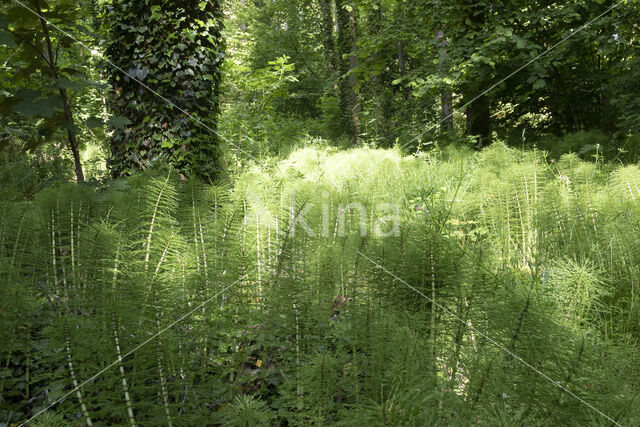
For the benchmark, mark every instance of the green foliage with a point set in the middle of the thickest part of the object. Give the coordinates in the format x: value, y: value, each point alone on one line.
x: 322, y: 286
x: 419, y: 67
x: 51, y: 92
x: 175, y: 50
x: 538, y: 258
x: 250, y: 117
x: 246, y: 411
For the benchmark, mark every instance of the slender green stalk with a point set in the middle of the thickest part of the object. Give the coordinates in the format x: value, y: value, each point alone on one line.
x: 123, y: 378
x: 159, y: 358
x: 74, y: 381
x: 15, y: 246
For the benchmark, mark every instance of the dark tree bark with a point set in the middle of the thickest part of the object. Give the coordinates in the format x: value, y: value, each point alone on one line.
x: 479, y: 111
x: 353, y: 78
x: 479, y: 119
x: 402, y: 63
x: 347, y: 45
x: 377, y: 85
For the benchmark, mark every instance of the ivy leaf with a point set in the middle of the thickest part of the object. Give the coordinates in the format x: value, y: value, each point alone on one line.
x: 141, y: 73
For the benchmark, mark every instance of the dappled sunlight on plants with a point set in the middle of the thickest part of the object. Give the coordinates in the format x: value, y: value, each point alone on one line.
x: 538, y: 258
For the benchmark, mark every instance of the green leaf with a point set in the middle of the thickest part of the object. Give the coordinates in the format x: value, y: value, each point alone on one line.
x: 68, y: 126
x: 118, y: 122
x: 27, y: 94
x: 94, y: 122
x: 539, y: 84
x: 7, y: 39
x: 22, y: 17
x: 587, y: 148
x: 42, y: 107
x: 72, y: 71
x: 63, y: 83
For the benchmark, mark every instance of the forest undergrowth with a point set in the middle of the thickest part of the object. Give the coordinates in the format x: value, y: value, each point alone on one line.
x: 356, y: 287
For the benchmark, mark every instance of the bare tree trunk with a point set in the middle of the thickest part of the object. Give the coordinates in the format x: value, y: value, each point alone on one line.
x: 353, y: 79
x: 402, y: 64
x: 479, y: 119
x: 66, y: 105
x: 375, y: 24
x: 243, y: 25
x: 347, y: 43
x: 445, y: 95
x: 479, y: 111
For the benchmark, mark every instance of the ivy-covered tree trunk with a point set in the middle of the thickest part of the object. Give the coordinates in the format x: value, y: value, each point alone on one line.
x: 328, y: 41
x: 176, y: 49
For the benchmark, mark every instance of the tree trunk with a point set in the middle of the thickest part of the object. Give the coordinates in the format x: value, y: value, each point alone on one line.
x: 402, y: 64
x: 479, y: 119
x: 328, y: 42
x: 243, y: 25
x: 66, y: 104
x: 478, y: 112
x: 377, y: 85
x: 353, y: 79
x: 178, y: 122
x: 445, y: 94
x: 71, y: 136
x: 347, y: 82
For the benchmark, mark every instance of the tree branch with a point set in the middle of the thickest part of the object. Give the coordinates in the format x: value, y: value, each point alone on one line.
x: 30, y: 44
